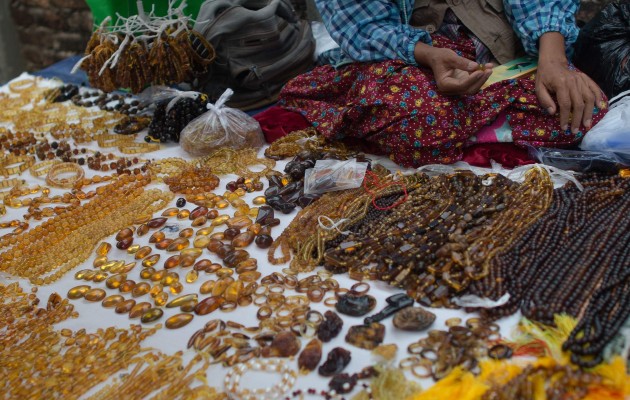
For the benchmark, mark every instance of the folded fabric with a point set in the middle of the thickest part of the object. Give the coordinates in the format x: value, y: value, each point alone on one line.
x: 277, y: 122
x: 507, y: 154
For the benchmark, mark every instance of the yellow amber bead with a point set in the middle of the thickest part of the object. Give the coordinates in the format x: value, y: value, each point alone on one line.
x: 95, y: 294
x: 172, y: 262
x: 103, y: 249
x: 188, y: 306
x: 250, y: 276
x: 199, y: 221
x: 152, y: 315
x: 240, y: 213
x: 126, y: 268
x: 127, y: 286
x: 238, y: 203
x: 186, y: 233
x: 254, y: 228
x: 183, y: 214
x: 221, y: 286
x: 253, y: 212
x: 225, y: 272
x: 125, y: 307
x: 170, y: 212
x: 158, y: 275
x: 112, y: 264
x: 81, y: 274
x: 285, y: 181
x: 142, y: 230
x: 233, y: 291
x: 177, y: 302
x: 163, y: 244
x: 207, y: 287
x: 220, y: 220
x: 259, y: 200
x: 241, y: 192
x: 139, y: 309
x: 157, y: 237
x: 151, y: 260
x: 230, y: 196
x: 193, y: 252
x: 140, y: 289
x: 156, y: 289
x: 133, y: 249
x: 112, y: 301
x: 99, y: 261
x: 142, y: 219
x: 78, y: 291
x: 178, y: 320
x: 186, y: 260
x: 114, y: 282
x: 161, y: 299
x: 217, y: 236
x: 100, y: 277
x: 178, y: 244
x: 176, y: 288
x: 221, y: 204
x: 192, y: 276
x: 201, y: 241
x: 239, y: 222
x: 146, y: 273
x: 143, y: 252
x: 170, y: 278
x: 89, y: 275
x: 205, y: 231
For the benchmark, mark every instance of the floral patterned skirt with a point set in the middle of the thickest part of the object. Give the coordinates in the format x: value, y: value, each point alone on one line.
x: 397, y: 108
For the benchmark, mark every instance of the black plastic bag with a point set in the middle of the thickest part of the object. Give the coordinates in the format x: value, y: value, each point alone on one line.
x: 602, y: 50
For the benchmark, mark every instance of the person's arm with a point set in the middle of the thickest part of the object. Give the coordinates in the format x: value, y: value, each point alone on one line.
x: 371, y: 30
x: 547, y: 29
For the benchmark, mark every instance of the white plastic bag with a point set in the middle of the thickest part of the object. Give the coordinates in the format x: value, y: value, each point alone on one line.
x: 157, y: 94
x: 612, y: 133
x: 332, y: 175
x: 221, y: 126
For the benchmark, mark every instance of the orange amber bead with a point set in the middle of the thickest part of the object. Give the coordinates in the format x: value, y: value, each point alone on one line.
x: 139, y: 309
x: 178, y: 320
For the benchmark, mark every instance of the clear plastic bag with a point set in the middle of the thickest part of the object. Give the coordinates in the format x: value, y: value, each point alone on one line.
x: 576, y: 160
x: 221, y: 126
x: 332, y: 175
x: 157, y: 94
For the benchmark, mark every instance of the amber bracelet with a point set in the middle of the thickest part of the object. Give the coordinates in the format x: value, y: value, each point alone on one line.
x: 53, y: 179
x: 114, y: 140
x: 22, y: 85
x: 135, y: 148
x: 42, y: 168
x: 11, y: 183
x: 26, y: 162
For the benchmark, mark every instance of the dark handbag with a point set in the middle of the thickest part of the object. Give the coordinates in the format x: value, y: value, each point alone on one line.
x: 260, y: 45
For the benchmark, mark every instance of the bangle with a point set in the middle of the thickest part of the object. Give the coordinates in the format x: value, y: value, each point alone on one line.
x: 25, y: 163
x: 234, y: 377
x: 56, y: 170
x: 135, y: 148
x: 114, y: 140
x: 11, y: 183
x: 42, y: 168
x: 22, y: 85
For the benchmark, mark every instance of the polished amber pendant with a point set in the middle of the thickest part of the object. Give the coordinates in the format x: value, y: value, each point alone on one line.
x: 139, y: 309
x: 152, y: 315
x: 178, y: 320
x: 95, y: 294
x: 78, y: 291
x: 181, y: 300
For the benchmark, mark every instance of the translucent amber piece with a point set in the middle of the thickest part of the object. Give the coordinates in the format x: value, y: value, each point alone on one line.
x: 254, y: 228
x: 142, y: 219
x: 200, y: 211
x: 140, y: 289
x: 188, y: 306
x: 225, y: 272
x: 243, y: 239
x: 125, y: 307
x: 199, y: 221
x: 151, y: 260
x: 170, y: 278
x: 100, y: 277
x: 81, y: 274
x: 205, y: 231
x: 127, y: 286
x: 221, y: 286
x: 220, y: 220
x: 251, y: 264
x: 239, y: 222
x: 161, y: 299
x: 201, y: 265
x: 103, y: 249
x: 233, y: 258
x: 250, y: 276
x: 125, y: 268
x: 156, y: 289
x: 99, y: 261
x: 192, y: 276
x: 240, y: 204
x: 207, y: 287
x: 142, y: 230
x: 95, y: 294
x: 139, y: 309
x: 221, y: 204
x: 201, y: 241
x: 124, y: 234
x: 260, y: 200
x: 163, y: 244
x: 253, y: 212
x: 178, y: 244
x: 178, y: 320
x: 176, y: 288
x: 186, y: 260
x: 89, y: 275
x: 108, y: 266
x: 233, y: 291
x: 78, y: 291
x: 157, y: 237
x: 156, y: 223
x: 133, y: 249
x: 183, y: 214
x: 186, y: 233
x: 146, y: 273
x: 114, y: 282
x: 152, y: 315
x: 194, y: 252
x: 112, y: 301
x: 170, y: 212
x: 143, y: 252
x: 217, y: 236
x: 172, y: 262
x: 158, y: 275
x: 240, y: 191
x: 208, y: 305
x: 181, y: 300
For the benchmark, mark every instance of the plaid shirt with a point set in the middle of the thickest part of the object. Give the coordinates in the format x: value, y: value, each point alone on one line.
x: 376, y: 30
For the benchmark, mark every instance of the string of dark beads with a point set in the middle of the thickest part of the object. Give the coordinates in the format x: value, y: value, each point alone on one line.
x: 166, y: 126
x: 573, y: 260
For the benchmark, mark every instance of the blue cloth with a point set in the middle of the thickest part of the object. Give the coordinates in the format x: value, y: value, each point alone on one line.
x: 61, y: 70
x: 378, y: 30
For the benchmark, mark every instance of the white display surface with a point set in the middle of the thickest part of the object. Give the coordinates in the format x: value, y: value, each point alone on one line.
x: 93, y: 316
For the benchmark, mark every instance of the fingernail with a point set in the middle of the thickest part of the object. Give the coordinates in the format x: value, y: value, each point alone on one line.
x: 565, y: 127
x: 575, y: 130
x: 588, y: 123
x: 550, y: 110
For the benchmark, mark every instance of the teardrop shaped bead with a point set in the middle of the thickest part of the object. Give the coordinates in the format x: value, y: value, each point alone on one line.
x: 125, y: 307
x: 212, y: 214
x: 208, y: 305
x: 220, y: 220
x: 172, y: 262
x: 108, y: 266
x: 142, y: 230
x: 183, y: 214
x: 170, y: 278
x: 103, y: 248
x: 156, y: 289
x: 259, y: 200
x: 224, y: 272
x: 195, y: 252
x: 243, y: 239
x: 114, y: 281
x: 98, y: 261
x: 156, y: 222
x: 95, y: 294
x: 139, y: 309
x: 250, y: 276
x: 146, y: 273
x: 140, y: 289
x: 112, y: 301
x: 221, y: 285
x: 151, y: 260
x: 133, y: 249
x: 251, y: 264
x: 157, y: 237
x: 78, y: 291
x: 170, y: 212
x: 239, y: 222
x: 176, y: 288
x: 199, y: 221
x: 161, y: 299
x: 143, y: 252
x: 186, y: 233
x: 163, y: 244
x: 207, y: 286
x: 235, y: 257
x: 218, y: 236
x: 126, y: 268
x: 214, y: 245
x: 192, y: 276
x: 81, y: 274
x: 188, y: 306
x: 151, y: 315
x: 186, y: 260
x: 124, y: 244
x: 142, y: 219
x: 158, y: 275
x: 233, y: 291
x: 177, y: 302
x: 200, y: 211
x: 201, y: 241
x: 124, y: 234
x: 178, y: 320
x: 178, y: 244
x: 100, y: 276
x: 221, y: 204
x: 127, y: 286
x: 89, y: 275
x: 201, y: 265
x: 205, y: 231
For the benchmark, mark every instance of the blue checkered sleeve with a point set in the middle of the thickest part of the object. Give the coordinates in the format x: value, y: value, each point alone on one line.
x: 374, y: 30
x: 532, y: 18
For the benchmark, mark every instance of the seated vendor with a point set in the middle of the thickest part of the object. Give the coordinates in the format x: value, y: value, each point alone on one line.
x: 407, y: 77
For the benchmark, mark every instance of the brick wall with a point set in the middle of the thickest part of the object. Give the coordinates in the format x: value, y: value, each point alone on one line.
x: 51, y: 30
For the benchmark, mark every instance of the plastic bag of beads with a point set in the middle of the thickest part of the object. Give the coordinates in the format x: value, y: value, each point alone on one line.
x: 333, y: 175
x: 174, y: 109
x: 221, y: 126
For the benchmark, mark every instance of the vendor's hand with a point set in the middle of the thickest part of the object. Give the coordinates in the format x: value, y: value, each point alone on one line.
x: 575, y: 92
x: 453, y: 74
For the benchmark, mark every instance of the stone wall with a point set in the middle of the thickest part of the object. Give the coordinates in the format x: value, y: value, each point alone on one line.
x: 51, y: 30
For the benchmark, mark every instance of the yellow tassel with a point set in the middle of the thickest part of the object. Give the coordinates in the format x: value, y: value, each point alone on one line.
x: 458, y: 385
x: 615, y: 381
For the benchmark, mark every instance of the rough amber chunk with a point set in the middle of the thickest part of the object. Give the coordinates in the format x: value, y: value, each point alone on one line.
x: 112, y: 301
x: 139, y: 309
x: 143, y: 252
x: 208, y: 305
x: 192, y: 276
x: 172, y: 262
x: 103, y: 249
x: 95, y: 294
x: 152, y: 315
x: 78, y: 291
x: 125, y: 307
x: 140, y: 289
x: 151, y: 260
x: 243, y: 239
x: 181, y: 300
x: 178, y: 320
x: 157, y: 237
x: 114, y: 281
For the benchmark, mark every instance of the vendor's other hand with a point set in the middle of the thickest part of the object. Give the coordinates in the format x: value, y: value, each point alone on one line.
x: 576, y: 93
x: 454, y: 75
